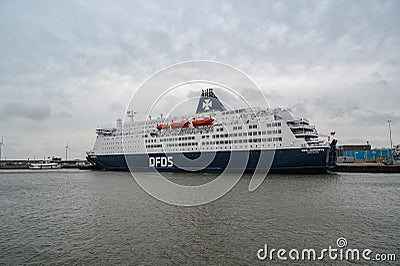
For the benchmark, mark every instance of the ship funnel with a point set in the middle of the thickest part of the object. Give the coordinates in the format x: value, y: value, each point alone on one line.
x: 209, y: 102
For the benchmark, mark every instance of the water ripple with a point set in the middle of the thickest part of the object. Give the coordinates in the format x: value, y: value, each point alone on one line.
x: 84, y: 217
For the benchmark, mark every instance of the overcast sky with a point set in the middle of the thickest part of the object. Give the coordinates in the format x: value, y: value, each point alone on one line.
x: 68, y: 66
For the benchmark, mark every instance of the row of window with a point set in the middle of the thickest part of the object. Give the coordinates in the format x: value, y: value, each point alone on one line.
x: 255, y: 133
x: 258, y: 140
x: 110, y: 148
x: 112, y: 143
x: 154, y: 146
x: 182, y: 144
x: 276, y: 124
x: 178, y: 138
x: 275, y: 131
x: 111, y: 138
x: 244, y: 134
x: 241, y: 141
x: 170, y: 139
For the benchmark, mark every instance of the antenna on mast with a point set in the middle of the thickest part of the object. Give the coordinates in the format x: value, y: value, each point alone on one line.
x: 131, y: 114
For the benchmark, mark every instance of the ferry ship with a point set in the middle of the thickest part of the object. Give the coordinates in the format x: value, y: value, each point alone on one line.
x: 158, y: 144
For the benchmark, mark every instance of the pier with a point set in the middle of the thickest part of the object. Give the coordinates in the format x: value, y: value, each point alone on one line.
x: 24, y: 164
x: 367, y: 168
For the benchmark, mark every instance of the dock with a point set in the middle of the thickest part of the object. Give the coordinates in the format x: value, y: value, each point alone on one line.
x: 24, y: 164
x: 83, y: 164
x: 367, y: 168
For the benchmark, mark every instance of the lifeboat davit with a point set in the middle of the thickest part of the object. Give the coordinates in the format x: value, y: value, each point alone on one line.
x: 202, y: 122
x: 162, y: 126
x: 180, y: 124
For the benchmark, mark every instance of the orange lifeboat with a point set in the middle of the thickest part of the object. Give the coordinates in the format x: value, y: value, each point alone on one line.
x: 203, y: 122
x: 162, y: 126
x: 180, y: 124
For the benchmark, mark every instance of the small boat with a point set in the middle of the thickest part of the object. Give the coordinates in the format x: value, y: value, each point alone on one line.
x: 180, y: 124
x: 44, y: 166
x: 203, y: 122
x: 162, y: 126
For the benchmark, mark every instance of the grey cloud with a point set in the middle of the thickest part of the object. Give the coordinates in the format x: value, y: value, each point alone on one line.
x: 37, y: 112
x: 300, y: 108
x: 379, y: 78
x: 59, y: 95
x: 335, y: 107
x: 383, y: 82
x: 297, y: 32
x: 273, y: 97
x: 372, y: 117
x: 116, y: 106
x: 63, y: 115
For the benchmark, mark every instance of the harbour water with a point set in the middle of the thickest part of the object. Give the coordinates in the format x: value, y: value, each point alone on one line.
x: 99, y: 217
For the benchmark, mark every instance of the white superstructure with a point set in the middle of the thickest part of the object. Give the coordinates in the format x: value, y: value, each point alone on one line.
x: 237, y: 130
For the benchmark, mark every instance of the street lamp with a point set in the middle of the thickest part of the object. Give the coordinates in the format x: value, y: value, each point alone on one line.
x: 390, y: 136
x: 66, y: 152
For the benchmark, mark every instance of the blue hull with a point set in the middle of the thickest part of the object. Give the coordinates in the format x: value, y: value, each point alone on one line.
x: 295, y: 160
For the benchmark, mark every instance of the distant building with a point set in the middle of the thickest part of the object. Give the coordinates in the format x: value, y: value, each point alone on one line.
x: 342, y: 149
x: 362, y: 153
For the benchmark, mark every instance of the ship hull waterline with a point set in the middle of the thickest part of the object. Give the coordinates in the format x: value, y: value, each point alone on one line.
x: 292, y: 161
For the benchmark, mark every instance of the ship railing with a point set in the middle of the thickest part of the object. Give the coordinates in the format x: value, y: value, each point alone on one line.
x: 105, y: 131
x: 303, y: 134
x: 308, y: 127
x: 299, y: 121
x: 306, y: 133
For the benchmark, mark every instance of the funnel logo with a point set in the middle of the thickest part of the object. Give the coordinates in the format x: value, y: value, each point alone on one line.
x: 207, y: 104
x: 173, y: 136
